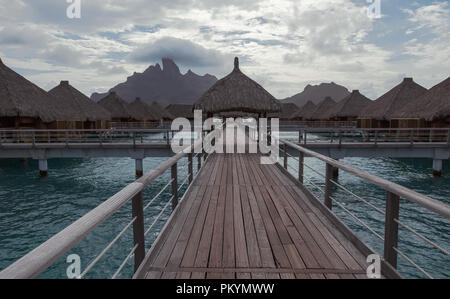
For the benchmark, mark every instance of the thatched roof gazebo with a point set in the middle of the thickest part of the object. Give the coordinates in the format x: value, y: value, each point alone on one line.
x: 180, y: 110
x: 305, y: 112
x: 20, y: 99
x: 116, y: 106
x: 348, y: 108
x: 142, y: 112
x: 161, y: 112
x: 388, y: 105
x: 80, y: 107
x: 433, y: 105
x: 237, y: 93
x: 318, y: 114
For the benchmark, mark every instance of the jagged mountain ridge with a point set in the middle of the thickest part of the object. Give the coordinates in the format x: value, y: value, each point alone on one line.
x: 166, y: 85
x: 316, y: 94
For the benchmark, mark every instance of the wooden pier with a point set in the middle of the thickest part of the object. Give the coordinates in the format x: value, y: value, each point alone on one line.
x: 241, y: 219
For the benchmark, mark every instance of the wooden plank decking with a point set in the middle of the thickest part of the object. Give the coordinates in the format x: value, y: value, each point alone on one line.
x: 241, y: 219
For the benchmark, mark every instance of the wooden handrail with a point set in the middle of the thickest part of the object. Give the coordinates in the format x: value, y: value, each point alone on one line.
x: 410, y: 195
x: 42, y: 257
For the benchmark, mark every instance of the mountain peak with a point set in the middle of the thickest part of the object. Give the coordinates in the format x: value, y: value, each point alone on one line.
x: 170, y: 67
x: 166, y: 85
x: 316, y: 93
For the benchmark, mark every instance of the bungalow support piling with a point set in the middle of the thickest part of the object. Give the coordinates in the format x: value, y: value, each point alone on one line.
x: 43, y: 167
x: 437, y: 168
x: 139, y: 167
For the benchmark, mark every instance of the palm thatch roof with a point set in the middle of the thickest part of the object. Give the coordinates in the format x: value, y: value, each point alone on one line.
x: 305, y: 112
x: 432, y: 105
x: 141, y: 111
x: 319, y: 113
x: 237, y: 92
x: 115, y: 105
x: 78, y: 106
x: 350, y: 106
x: 21, y: 98
x: 181, y: 110
x: 161, y: 112
x: 287, y: 110
x: 388, y: 105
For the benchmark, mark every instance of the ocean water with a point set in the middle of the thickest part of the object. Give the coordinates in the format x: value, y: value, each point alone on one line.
x: 33, y: 209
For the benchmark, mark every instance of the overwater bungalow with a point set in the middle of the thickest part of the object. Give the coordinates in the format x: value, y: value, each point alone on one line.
x: 380, y: 113
x: 143, y: 113
x: 161, y: 112
x: 83, y: 113
x: 180, y: 110
x: 304, y: 112
x: 318, y: 114
x: 23, y: 104
x: 287, y: 110
x: 237, y: 95
x: 349, y: 108
x: 432, y: 107
x: 118, y: 107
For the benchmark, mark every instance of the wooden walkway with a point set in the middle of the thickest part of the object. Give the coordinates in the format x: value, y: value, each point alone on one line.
x: 241, y: 219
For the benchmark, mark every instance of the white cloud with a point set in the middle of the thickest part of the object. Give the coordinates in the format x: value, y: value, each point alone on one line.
x: 284, y: 44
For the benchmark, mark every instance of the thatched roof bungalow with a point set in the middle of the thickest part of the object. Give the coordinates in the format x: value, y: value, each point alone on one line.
x: 161, y: 112
x: 319, y: 113
x: 287, y: 110
x: 80, y: 108
x: 181, y: 110
x: 349, y: 108
x: 140, y: 111
x: 432, y: 106
x: 304, y: 112
x: 24, y: 104
x: 387, y: 107
x: 117, y: 107
x: 237, y: 93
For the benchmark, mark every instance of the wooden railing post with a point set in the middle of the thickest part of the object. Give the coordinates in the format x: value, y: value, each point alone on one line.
x: 391, y: 228
x: 305, y: 137
x: 285, y: 156
x: 328, y: 186
x: 174, y: 172
x: 190, y: 167
x: 301, y: 158
x: 138, y: 230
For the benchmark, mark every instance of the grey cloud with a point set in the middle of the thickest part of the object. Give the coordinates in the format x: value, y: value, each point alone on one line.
x: 182, y: 51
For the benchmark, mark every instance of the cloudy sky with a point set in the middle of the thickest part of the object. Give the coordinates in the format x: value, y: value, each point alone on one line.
x: 283, y: 44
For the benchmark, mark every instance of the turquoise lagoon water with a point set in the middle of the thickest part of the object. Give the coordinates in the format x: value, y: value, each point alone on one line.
x: 32, y: 209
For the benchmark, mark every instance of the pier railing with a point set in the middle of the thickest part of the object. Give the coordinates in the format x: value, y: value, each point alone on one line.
x: 374, y: 136
x: 135, y: 136
x: 393, y: 194
x: 317, y: 124
x: 41, y: 258
x: 304, y: 136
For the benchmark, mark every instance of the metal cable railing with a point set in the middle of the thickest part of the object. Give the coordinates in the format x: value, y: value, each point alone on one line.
x: 38, y: 260
x: 97, y: 259
x: 341, y: 205
x: 406, y: 258
x: 394, y: 193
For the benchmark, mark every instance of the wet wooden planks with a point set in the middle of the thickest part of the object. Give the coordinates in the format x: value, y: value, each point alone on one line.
x: 245, y: 220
